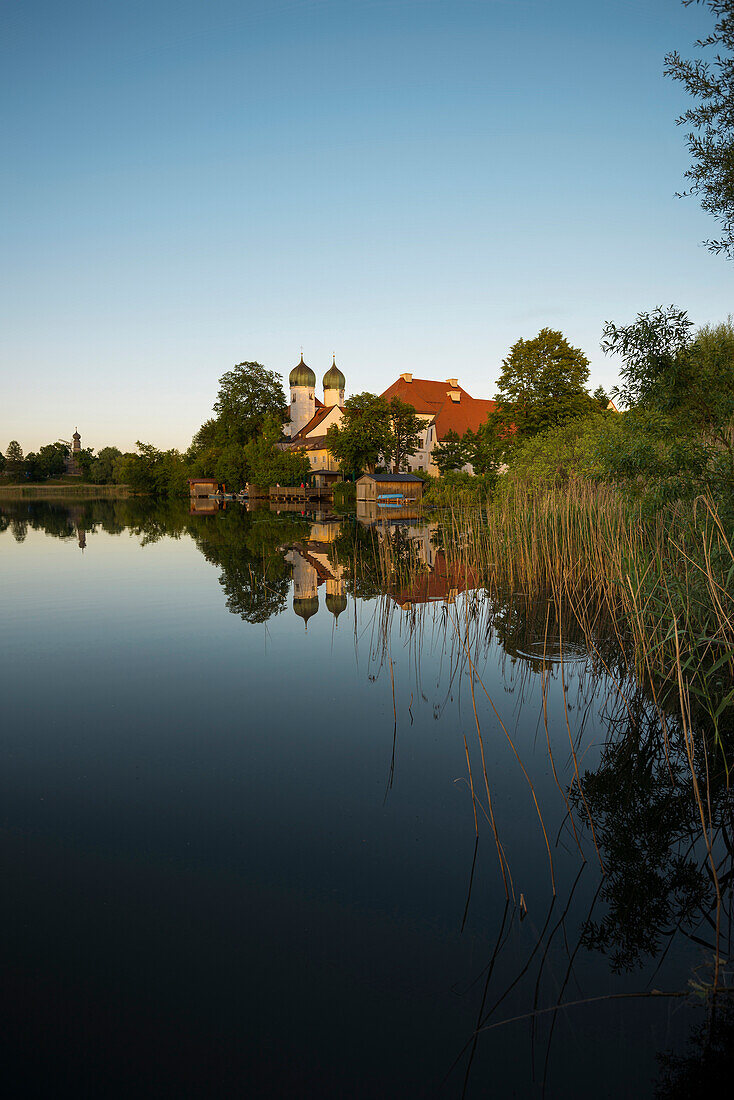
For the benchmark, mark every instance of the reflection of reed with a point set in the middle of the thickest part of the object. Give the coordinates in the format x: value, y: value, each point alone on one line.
x: 613, y: 596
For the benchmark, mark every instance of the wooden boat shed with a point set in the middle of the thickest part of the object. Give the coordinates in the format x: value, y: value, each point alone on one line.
x: 389, y: 489
x: 203, y: 486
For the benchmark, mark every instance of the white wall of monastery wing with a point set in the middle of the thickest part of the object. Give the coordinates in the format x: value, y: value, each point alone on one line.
x: 335, y: 416
x: 422, y: 459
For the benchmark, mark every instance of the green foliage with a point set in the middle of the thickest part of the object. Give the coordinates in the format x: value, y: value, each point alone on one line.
x: 101, y: 470
x: 231, y: 467
x: 653, y: 349
x: 14, y: 458
x: 686, y: 385
x: 345, y: 495
x: 85, y: 460
x: 248, y: 394
x: 267, y: 465
x: 405, y: 427
x: 364, y: 434
x: 457, y: 486
x: 710, y: 123
x: 542, y: 384
x: 3, y: 461
x: 451, y: 453
x: 49, y: 461
x: 558, y: 454
x: 150, y: 471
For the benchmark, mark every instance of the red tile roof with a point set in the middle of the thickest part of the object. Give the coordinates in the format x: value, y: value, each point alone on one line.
x: 459, y: 416
x: 433, y: 397
x: 424, y: 395
x: 314, y: 422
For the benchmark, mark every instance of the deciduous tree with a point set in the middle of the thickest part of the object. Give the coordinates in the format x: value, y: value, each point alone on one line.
x: 247, y: 394
x: 710, y: 123
x: 542, y: 384
x: 364, y: 434
x: 405, y: 427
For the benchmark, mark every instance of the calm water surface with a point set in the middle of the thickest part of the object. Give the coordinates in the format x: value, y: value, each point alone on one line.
x: 238, y: 839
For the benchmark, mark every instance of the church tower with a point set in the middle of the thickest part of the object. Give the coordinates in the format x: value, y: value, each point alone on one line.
x: 302, y: 381
x: 334, y: 385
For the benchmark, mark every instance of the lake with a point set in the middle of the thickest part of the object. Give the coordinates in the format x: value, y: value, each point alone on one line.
x: 241, y: 852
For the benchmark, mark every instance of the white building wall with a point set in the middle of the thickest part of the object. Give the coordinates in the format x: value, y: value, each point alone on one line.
x: 303, y: 407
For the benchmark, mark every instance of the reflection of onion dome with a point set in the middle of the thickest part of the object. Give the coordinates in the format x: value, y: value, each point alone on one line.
x: 334, y: 379
x: 305, y: 607
x: 302, y: 375
x: 336, y: 604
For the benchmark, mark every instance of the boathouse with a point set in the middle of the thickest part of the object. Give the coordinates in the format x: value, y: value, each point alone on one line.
x: 202, y: 486
x: 393, y: 489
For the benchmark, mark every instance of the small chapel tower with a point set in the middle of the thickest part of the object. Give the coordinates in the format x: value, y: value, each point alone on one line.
x: 72, y: 464
x: 334, y: 385
x: 302, y: 382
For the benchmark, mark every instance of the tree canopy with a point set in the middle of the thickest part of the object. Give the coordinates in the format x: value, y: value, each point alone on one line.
x: 247, y: 395
x: 364, y: 434
x: 710, y: 122
x: 405, y: 426
x: 542, y: 384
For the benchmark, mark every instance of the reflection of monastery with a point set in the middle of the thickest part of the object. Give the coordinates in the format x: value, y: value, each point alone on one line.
x: 439, y: 581
x: 442, y: 407
x: 313, y: 567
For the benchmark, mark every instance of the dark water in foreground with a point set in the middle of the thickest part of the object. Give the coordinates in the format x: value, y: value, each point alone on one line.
x: 237, y: 862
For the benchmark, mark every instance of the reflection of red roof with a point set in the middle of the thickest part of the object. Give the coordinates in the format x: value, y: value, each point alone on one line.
x: 441, y: 582
x: 429, y: 397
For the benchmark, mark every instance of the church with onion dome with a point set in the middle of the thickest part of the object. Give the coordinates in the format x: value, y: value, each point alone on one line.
x: 442, y: 407
x: 311, y: 418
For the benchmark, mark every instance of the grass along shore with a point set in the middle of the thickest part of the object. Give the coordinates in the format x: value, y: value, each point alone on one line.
x: 62, y: 490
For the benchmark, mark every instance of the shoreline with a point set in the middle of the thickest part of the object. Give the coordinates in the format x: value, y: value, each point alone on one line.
x: 84, y: 491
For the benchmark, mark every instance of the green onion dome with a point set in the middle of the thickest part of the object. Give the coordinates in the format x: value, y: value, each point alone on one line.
x: 305, y: 607
x: 302, y: 375
x: 336, y: 604
x: 334, y: 379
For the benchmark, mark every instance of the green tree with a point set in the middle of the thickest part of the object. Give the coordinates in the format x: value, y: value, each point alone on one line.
x: 247, y: 395
x: 84, y: 459
x: 601, y: 397
x: 653, y: 351
x: 484, y: 448
x: 405, y: 427
x: 49, y: 461
x: 450, y: 453
x: 14, y: 458
x: 710, y: 137
x: 154, y: 472
x: 542, y: 384
x: 101, y: 470
x: 364, y: 435
x: 268, y: 464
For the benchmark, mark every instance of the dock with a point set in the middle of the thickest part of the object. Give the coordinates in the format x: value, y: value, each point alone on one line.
x: 298, y: 493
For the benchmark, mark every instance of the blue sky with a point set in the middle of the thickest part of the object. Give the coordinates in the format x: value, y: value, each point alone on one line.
x: 412, y: 184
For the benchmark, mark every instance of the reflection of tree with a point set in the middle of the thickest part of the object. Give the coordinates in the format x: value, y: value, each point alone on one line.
x: 247, y: 548
x: 642, y: 802
x: 19, y: 527
x: 244, y: 545
x: 707, y: 1065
